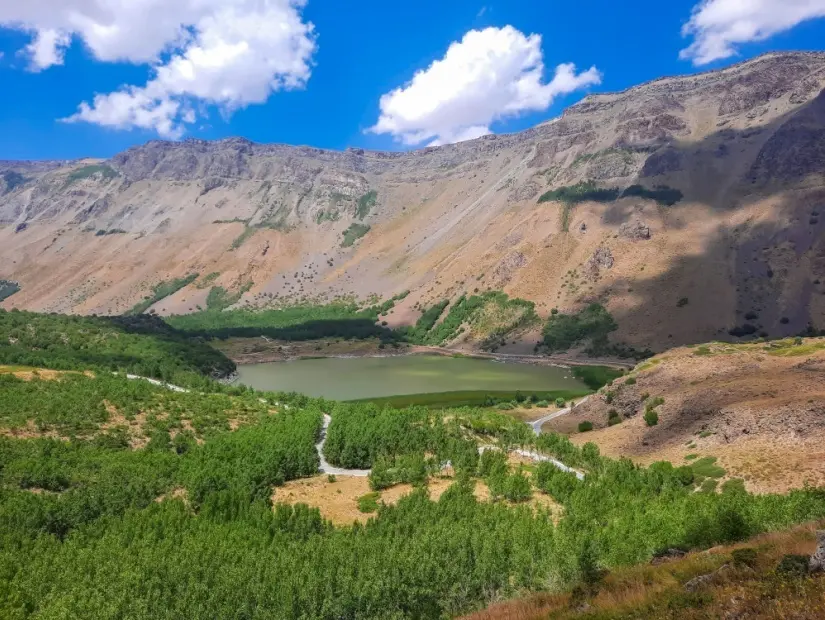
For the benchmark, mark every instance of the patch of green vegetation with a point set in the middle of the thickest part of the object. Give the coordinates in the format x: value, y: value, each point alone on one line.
x: 703, y: 350
x: 476, y: 398
x: 733, y: 485
x: 626, y: 155
x: 299, y: 322
x: 354, y: 233
x: 12, y: 180
x: 691, y: 457
x: 143, y: 345
x: 491, y: 316
x: 111, y: 231
x: 366, y: 204
x: 589, y: 326
x: 327, y: 215
x: 651, y: 417
x: 207, y: 280
x: 106, y: 172
x: 219, y: 298
x: 595, y: 377
x: 369, y: 502
x: 585, y: 426
x: 664, y: 195
x: 581, y: 192
x: 160, y: 291
x: 241, y: 239
x: 707, y: 467
x: 196, y: 523
x: 708, y: 486
x: 8, y: 288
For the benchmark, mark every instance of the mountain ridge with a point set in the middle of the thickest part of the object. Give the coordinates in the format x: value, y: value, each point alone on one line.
x: 739, y: 144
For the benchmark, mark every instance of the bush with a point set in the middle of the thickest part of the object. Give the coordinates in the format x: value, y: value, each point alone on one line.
x: 505, y: 406
x: 630, y: 381
x: 543, y: 404
x: 651, y: 417
x: 560, y: 402
x: 585, y: 426
x: 793, y: 565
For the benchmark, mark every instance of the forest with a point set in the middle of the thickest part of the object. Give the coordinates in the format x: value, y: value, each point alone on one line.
x: 124, y: 499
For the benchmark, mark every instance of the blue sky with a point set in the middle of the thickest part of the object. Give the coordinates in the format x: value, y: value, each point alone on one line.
x: 315, y: 72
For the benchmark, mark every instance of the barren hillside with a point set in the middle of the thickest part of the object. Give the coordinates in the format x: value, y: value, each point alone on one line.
x: 741, y: 148
x: 758, y: 409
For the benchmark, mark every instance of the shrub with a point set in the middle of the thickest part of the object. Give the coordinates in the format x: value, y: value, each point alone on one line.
x: 585, y: 426
x: 630, y: 381
x: 331, y: 478
x: 506, y: 406
x: 793, y: 565
x: 543, y: 404
x: 684, y: 301
x: 651, y: 417
x: 560, y: 402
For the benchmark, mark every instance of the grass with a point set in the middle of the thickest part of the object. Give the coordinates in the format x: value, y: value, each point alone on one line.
x: 161, y: 291
x: 369, y: 503
x: 107, y: 172
x: 470, y: 398
x: 241, y: 239
x: 707, y: 467
x: 219, y: 298
x: 354, y: 233
x: 366, y: 204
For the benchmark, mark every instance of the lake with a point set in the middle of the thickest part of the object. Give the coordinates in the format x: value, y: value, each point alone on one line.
x: 373, y: 377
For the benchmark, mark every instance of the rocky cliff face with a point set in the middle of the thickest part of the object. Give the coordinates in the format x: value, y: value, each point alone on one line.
x: 743, y: 146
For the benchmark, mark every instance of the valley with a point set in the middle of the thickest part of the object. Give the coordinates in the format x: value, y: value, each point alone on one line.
x: 576, y: 371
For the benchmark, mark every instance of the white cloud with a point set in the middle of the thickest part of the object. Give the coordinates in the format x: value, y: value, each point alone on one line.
x: 489, y: 75
x: 230, y: 53
x: 719, y: 26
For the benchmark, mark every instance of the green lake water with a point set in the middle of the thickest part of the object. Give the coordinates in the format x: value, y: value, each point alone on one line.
x: 373, y: 377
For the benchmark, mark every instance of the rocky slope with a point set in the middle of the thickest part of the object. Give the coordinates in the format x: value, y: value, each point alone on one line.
x: 743, y: 145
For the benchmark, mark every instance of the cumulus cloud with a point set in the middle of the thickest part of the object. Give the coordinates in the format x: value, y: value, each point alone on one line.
x: 718, y: 27
x: 229, y: 53
x: 490, y: 74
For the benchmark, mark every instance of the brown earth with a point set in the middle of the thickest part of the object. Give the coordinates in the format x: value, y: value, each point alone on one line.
x: 758, y: 408
x: 743, y: 144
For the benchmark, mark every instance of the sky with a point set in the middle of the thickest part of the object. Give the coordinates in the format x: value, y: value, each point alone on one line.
x: 90, y: 78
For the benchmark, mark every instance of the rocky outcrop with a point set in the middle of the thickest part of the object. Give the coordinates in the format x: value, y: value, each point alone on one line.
x: 600, y: 261
x: 635, y: 230
x: 817, y: 561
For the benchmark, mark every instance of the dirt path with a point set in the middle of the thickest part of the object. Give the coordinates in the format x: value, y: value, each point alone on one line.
x: 325, y: 467
x: 537, y: 424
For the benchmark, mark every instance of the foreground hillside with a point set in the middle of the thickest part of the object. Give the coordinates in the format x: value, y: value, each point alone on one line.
x: 688, y: 206
x: 758, y: 410
x: 127, y: 498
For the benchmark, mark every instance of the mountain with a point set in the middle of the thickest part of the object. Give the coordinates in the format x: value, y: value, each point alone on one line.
x: 689, y: 206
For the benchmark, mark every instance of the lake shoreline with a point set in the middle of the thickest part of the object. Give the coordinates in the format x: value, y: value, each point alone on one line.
x: 250, y: 351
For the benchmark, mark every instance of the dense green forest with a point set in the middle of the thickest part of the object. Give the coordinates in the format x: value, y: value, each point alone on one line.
x: 124, y: 499
x: 143, y: 345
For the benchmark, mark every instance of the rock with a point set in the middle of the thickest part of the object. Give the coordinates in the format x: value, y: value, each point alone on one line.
x: 635, y: 230
x: 602, y: 259
x: 698, y: 582
x: 667, y: 556
x: 817, y: 562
